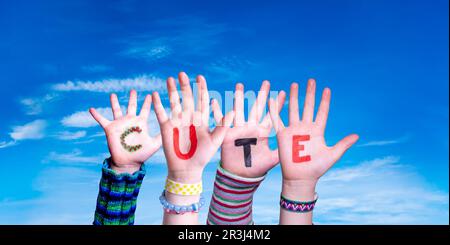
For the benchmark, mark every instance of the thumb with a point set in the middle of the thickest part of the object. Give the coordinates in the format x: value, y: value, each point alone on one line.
x: 219, y: 132
x: 343, y: 145
x: 275, y: 158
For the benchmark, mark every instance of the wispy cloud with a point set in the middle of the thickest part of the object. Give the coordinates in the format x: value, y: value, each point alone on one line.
x: 67, y: 196
x: 83, y: 119
x: 384, y: 142
x: 147, y: 50
x: 378, y: 191
x: 34, y: 106
x: 75, y: 157
x: 31, y: 131
x: 184, y: 36
x: 140, y: 83
x: 68, y: 135
x: 362, y: 170
x: 5, y: 144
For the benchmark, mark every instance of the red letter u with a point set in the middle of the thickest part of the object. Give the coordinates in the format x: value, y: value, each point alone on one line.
x: 176, y: 143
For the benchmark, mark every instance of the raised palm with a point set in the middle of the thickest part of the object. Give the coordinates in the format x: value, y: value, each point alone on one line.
x: 127, y: 135
x: 185, y: 119
x: 262, y: 158
x: 307, y: 157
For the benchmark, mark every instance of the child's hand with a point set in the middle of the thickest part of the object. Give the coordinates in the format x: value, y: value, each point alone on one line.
x: 304, y: 156
x: 188, y: 143
x: 257, y: 159
x: 128, y: 140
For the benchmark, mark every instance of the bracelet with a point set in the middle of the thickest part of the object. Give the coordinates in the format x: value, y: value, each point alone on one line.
x: 183, y: 189
x: 298, y: 207
x: 180, y: 209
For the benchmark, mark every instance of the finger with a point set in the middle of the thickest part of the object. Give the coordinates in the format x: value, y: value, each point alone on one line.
x: 275, y: 115
x: 293, y: 104
x: 99, y: 118
x: 267, y: 121
x: 239, y: 118
x: 322, y: 113
x: 258, y: 108
x: 342, y: 146
x: 186, y: 91
x: 174, y: 98
x: 217, y: 112
x: 115, y: 106
x: 159, y: 108
x: 204, y: 99
x: 132, y: 103
x: 220, y: 131
x: 145, y: 110
x: 308, y: 108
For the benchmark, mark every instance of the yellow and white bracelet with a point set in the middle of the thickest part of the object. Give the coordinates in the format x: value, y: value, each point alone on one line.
x: 183, y: 189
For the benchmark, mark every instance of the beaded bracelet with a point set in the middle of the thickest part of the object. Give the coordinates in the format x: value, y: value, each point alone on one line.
x: 296, y: 206
x: 180, y: 209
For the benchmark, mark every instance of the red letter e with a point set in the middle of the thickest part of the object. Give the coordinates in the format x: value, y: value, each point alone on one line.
x: 296, y: 148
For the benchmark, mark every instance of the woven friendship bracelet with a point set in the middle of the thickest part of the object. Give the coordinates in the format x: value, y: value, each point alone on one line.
x: 183, y: 189
x: 231, y: 202
x: 116, y: 201
x: 296, y: 206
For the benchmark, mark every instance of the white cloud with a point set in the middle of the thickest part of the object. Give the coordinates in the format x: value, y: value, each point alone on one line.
x: 185, y: 36
x: 384, y: 142
x: 83, y: 119
x: 67, y: 196
x: 67, y: 135
x: 5, y: 144
x: 379, y: 191
x: 75, y: 157
x: 34, y: 106
x: 140, y: 83
x: 151, y: 51
x: 32, y: 130
x: 388, y: 193
x: 363, y: 170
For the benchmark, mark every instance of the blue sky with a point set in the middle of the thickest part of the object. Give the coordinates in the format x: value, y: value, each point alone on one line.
x: 385, y: 61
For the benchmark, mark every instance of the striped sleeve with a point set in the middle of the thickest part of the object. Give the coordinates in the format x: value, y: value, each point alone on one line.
x: 231, y: 202
x: 116, y: 201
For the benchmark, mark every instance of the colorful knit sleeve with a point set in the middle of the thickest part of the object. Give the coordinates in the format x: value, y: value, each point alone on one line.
x: 116, y: 201
x: 231, y: 202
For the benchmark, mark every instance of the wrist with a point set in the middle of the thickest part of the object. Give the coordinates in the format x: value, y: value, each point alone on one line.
x: 185, y: 176
x: 181, y: 199
x: 299, y: 190
x: 130, y: 169
x: 120, y: 167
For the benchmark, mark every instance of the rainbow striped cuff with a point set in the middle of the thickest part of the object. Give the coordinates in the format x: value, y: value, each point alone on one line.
x: 231, y: 202
x: 116, y: 201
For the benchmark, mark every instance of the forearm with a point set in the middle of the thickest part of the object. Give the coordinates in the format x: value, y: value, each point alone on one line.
x: 232, y: 199
x: 300, y: 191
x: 117, y: 198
